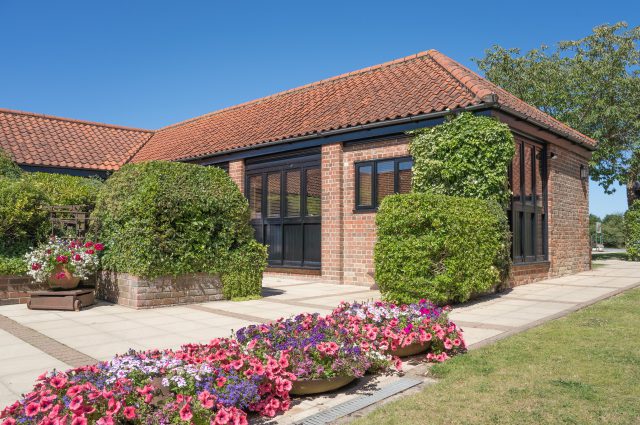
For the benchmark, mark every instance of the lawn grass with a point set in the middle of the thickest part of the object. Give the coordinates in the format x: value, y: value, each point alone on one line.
x: 581, y: 369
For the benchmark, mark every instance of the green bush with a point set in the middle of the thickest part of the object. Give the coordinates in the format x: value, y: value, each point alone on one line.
x: 632, y: 231
x: 164, y: 218
x: 8, y: 168
x: 62, y: 189
x: 466, y: 156
x: 12, y: 265
x: 22, y: 219
x: 440, y: 247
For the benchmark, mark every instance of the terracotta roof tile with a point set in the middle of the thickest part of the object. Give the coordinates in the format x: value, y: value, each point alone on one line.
x: 42, y: 140
x: 417, y: 84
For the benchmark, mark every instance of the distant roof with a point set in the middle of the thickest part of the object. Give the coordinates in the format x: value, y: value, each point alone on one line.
x: 48, y: 141
x: 418, y: 84
x: 424, y: 83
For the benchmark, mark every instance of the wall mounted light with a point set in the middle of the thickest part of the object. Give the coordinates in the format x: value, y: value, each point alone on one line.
x: 553, y: 155
x: 584, y: 172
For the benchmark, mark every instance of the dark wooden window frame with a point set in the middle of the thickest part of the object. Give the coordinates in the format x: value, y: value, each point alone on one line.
x: 263, y: 168
x: 374, y: 180
x: 521, y: 206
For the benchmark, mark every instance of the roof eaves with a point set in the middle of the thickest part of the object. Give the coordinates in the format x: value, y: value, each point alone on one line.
x: 481, y: 105
x: 566, y: 135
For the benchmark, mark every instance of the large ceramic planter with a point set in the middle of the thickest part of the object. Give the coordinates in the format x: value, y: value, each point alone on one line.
x: 411, y: 349
x: 67, y: 282
x: 317, y: 386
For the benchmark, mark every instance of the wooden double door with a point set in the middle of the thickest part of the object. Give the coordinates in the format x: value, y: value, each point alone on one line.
x: 285, y: 200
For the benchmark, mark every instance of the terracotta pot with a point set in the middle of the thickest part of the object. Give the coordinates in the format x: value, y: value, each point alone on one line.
x: 317, y: 386
x: 67, y: 282
x: 411, y: 349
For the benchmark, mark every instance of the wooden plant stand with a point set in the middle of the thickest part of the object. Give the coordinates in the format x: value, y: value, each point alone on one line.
x: 71, y: 300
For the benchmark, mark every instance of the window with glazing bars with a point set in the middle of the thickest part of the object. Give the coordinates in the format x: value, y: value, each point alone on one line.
x: 377, y: 179
x: 528, y: 208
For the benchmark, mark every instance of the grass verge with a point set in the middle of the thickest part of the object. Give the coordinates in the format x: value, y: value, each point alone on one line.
x: 583, y: 368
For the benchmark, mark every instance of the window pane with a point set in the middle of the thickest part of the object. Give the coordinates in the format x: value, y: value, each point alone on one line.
x: 539, y: 176
x: 404, y: 176
x: 255, y: 196
x: 293, y: 193
x: 540, y: 232
x: 515, y: 174
x: 385, y: 179
x: 365, y: 188
x: 273, y: 195
x: 517, y: 235
x: 314, y: 191
x: 528, y: 174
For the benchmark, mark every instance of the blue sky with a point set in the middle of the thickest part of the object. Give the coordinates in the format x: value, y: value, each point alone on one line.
x: 152, y: 63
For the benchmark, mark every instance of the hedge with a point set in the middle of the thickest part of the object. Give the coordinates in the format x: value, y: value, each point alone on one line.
x: 632, y: 231
x: 8, y: 168
x: 466, y: 156
x: 166, y: 218
x: 24, y: 221
x: 62, y: 189
x: 439, y: 247
x: 12, y: 265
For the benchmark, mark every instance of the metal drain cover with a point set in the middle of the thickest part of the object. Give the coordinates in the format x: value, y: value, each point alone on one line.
x: 359, y: 403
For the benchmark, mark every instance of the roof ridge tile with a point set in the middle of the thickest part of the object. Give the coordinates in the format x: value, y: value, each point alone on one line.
x: 73, y: 120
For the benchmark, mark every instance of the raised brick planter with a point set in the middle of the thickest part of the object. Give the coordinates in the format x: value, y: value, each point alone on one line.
x: 15, y: 289
x: 138, y: 292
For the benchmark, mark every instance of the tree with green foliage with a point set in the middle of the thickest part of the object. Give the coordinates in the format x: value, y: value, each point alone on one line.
x: 632, y: 231
x: 613, y: 230
x: 591, y: 84
x: 466, y: 156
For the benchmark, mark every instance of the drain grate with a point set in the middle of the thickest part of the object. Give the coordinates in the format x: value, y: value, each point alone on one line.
x: 359, y: 403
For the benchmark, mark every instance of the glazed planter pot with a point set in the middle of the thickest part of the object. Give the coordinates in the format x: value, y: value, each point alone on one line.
x: 317, y: 386
x: 67, y: 282
x: 411, y: 349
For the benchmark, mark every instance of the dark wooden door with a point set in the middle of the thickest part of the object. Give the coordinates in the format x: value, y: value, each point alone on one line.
x: 285, y: 201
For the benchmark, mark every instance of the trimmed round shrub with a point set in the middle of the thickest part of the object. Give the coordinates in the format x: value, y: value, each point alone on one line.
x: 8, y: 168
x: 162, y: 218
x: 467, y: 156
x: 439, y: 247
x: 632, y: 231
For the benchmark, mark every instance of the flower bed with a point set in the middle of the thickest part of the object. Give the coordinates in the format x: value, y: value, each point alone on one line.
x: 389, y: 327
x: 224, y: 381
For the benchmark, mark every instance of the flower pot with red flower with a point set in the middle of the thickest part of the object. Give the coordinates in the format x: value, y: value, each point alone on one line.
x: 323, y: 357
x: 63, y: 264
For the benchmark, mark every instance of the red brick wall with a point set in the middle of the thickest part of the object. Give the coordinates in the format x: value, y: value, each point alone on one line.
x: 568, y: 213
x: 236, y: 172
x: 348, y: 237
x: 332, y: 169
x: 360, y: 227
x: 138, y: 292
x: 569, y: 247
x: 16, y: 289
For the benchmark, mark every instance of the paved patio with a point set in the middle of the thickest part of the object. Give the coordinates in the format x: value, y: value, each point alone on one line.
x: 34, y: 341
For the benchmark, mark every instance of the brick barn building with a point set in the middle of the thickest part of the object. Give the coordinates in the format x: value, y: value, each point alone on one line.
x: 315, y: 162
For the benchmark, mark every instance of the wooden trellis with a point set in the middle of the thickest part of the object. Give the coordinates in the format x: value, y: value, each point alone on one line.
x: 69, y: 221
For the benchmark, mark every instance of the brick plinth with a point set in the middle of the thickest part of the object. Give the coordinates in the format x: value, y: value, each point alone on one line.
x: 138, y: 292
x: 15, y: 289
